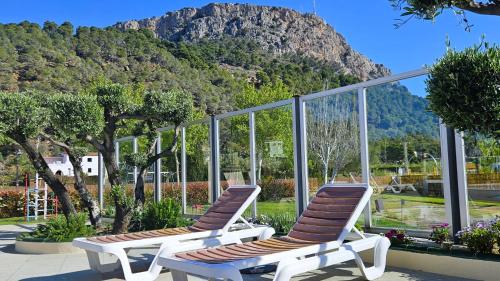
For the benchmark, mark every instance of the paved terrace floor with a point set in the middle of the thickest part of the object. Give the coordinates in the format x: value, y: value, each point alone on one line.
x: 15, y: 266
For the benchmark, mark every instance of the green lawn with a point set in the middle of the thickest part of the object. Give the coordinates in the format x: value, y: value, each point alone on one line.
x: 18, y: 220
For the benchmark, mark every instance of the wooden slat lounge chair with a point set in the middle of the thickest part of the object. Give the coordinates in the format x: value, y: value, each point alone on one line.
x: 318, y: 239
x: 211, y: 229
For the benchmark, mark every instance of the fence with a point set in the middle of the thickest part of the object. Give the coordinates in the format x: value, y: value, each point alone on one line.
x: 282, y: 145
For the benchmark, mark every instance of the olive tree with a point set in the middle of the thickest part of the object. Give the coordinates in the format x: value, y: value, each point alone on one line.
x: 159, y: 109
x: 430, y: 9
x: 21, y: 120
x: 125, y: 108
x: 464, y: 89
x: 70, y: 117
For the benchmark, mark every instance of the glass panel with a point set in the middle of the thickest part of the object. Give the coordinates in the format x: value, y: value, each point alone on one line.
x: 405, y: 156
x: 274, y: 162
x: 125, y: 148
x: 483, y: 177
x: 333, y: 140
x: 170, y: 173
x: 198, y: 168
x: 234, y: 150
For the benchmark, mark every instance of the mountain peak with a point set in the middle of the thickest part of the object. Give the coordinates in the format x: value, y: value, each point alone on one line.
x: 277, y: 30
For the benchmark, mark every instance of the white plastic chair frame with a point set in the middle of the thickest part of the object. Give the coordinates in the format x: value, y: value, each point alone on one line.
x: 296, y: 261
x: 175, y: 243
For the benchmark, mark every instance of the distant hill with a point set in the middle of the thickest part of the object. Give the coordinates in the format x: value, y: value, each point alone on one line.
x: 277, y: 30
x: 214, y: 65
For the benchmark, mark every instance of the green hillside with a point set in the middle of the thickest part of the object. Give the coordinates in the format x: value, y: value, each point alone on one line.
x: 58, y: 58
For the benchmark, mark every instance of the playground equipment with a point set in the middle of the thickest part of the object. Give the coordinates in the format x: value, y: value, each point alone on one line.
x: 396, y: 186
x: 33, y: 199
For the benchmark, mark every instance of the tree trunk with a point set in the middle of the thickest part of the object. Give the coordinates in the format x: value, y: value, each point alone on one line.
x: 85, y: 196
x: 46, y: 174
x: 177, y: 168
x: 140, y: 199
x: 123, y: 212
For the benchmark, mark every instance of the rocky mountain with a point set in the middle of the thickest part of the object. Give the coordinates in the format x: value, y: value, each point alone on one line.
x: 277, y: 30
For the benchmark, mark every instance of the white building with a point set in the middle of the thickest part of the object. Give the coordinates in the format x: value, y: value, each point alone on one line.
x: 62, y: 165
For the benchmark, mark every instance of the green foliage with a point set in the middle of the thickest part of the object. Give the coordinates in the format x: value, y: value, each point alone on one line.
x: 281, y: 222
x: 479, y: 238
x: 173, y: 106
x: 73, y: 116
x: 276, y: 189
x: 158, y: 215
x: 463, y: 89
x: 118, y: 192
x: 20, y: 115
x: 58, y: 229
x: 11, y: 204
x: 440, y: 233
x: 430, y: 9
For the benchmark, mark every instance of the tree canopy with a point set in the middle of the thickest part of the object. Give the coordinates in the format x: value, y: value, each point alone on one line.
x: 431, y: 9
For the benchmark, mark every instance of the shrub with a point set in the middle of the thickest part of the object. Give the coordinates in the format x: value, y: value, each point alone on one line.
x: 11, y: 204
x: 463, y: 89
x: 282, y: 223
x: 58, y: 229
x: 397, y: 237
x: 157, y: 215
x: 440, y: 233
x: 479, y: 238
x: 495, y: 227
x: 276, y: 189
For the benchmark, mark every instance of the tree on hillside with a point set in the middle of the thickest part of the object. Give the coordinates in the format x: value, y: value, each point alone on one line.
x: 332, y: 133
x: 123, y: 108
x: 429, y: 10
x: 22, y: 119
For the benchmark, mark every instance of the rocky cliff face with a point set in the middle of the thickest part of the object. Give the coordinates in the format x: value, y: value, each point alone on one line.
x: 279, y: 30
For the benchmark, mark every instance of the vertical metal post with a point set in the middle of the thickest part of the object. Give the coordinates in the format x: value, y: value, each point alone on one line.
x: 253, y: 175
x: 134, y: 150
x: 214, y: 159
x: 100, y: 180
x: 451, y: 187
x: 462, y: 180
x: 363, y: 141
x: 300, y: 155
x: 157, y: 177
x: 183, y: 169
x: 117, y: 154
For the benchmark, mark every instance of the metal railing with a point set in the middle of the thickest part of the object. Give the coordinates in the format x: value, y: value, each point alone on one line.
x: 298, y: 105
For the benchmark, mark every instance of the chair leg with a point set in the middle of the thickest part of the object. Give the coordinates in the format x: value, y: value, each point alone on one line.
x: 96, y: 264
x: 379, y: 260
x: 178, y: 275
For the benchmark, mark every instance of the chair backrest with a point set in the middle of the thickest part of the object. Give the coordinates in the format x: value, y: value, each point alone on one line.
x: 228, y: 208
x: 331, y: 215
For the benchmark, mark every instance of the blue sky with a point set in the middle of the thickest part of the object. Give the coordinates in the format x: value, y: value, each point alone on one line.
x: 367, y: 25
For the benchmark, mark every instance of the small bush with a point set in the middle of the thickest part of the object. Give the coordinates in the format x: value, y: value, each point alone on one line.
x: 157, y: 215
x: 11, y: 204
x: 398, y: 237
x: 276, y: 189
x: 440, y: 233
x: 479, y: 238
x: 282, y: 223
x: 58, y: 229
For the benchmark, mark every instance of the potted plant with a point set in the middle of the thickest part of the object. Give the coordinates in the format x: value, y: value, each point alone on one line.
x: 441, y: 235
x: 480, y: 238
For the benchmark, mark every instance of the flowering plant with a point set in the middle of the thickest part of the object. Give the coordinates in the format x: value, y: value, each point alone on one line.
x: 397, y: 236
x: 440, y: 233
x: 480, y: 237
